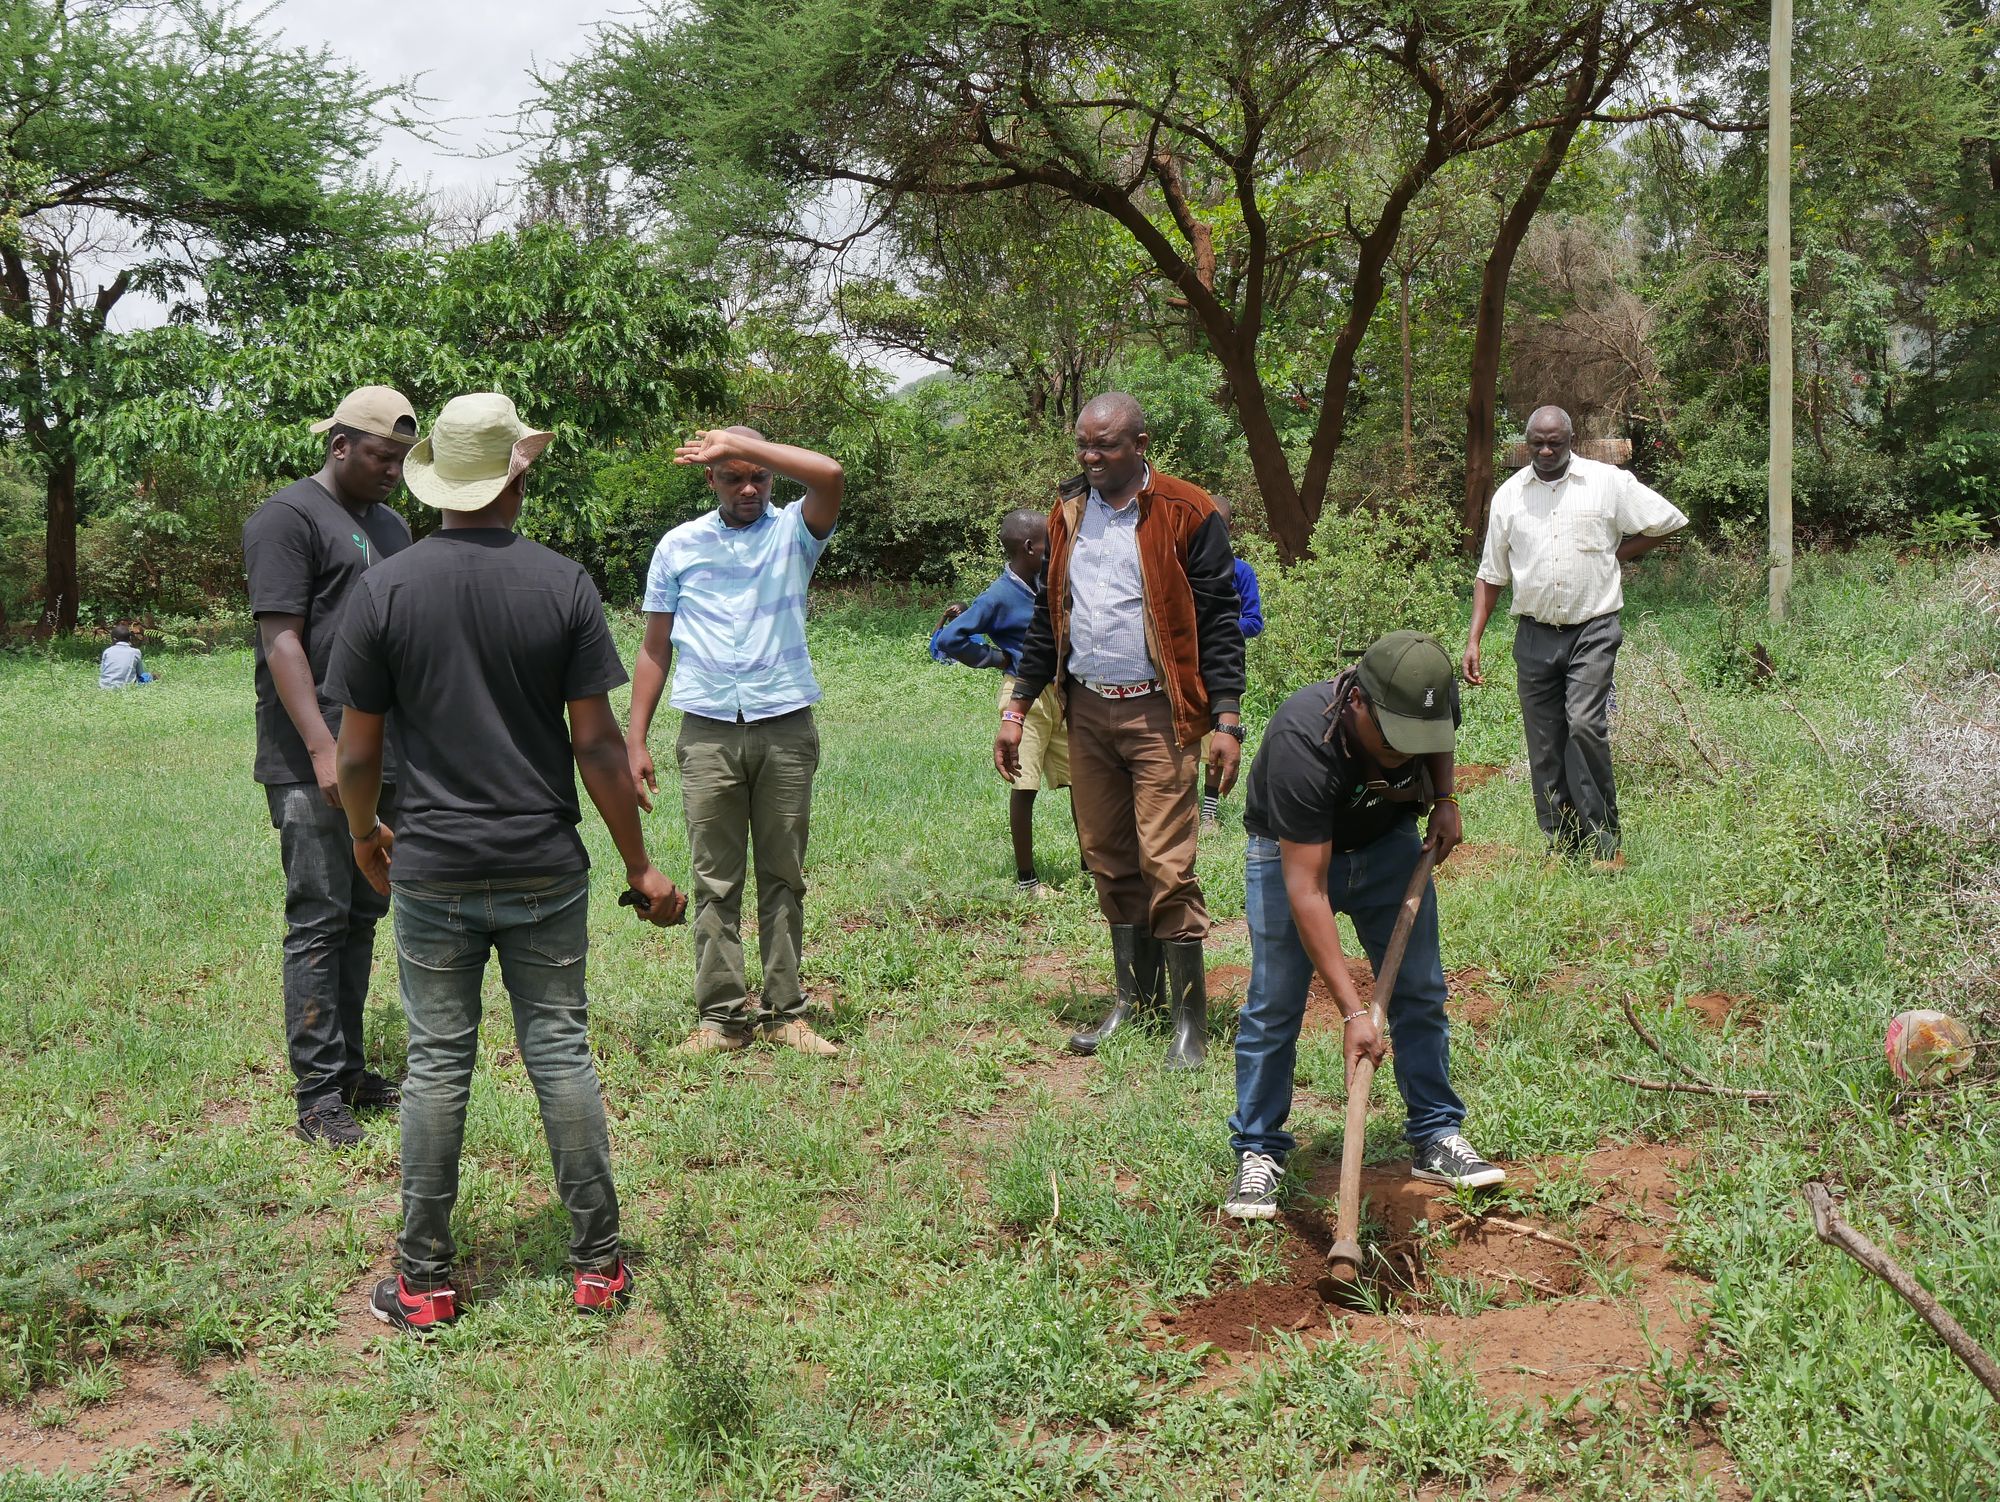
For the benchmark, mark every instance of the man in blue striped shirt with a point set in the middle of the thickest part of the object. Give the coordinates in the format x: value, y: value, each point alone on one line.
x: 727, y: 592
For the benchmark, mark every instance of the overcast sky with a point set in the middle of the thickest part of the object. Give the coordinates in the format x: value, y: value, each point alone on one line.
x: 472, y: 60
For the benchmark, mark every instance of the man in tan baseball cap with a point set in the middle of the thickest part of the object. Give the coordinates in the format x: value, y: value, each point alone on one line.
x: 304, y: 550
x: 381, y: 410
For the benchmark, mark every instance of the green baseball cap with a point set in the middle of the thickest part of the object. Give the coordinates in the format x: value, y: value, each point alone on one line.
x: 1408, y: 678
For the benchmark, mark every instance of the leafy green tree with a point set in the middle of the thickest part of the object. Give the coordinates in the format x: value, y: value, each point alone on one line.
x: 141, y: 144
x: 1251, y: 152
x: 595, y: 337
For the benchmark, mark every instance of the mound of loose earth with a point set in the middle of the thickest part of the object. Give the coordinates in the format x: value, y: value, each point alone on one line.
x: 1542, y: 1326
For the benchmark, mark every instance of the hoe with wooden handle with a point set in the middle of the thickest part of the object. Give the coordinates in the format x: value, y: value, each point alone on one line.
x: 1343, y: 1258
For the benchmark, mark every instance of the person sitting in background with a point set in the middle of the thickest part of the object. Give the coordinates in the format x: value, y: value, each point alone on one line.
x: 120, y: 666
x: 1001, y: 614
x: 1250, y: 621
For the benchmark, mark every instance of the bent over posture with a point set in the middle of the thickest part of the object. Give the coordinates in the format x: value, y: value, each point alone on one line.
x: 1331, y: 808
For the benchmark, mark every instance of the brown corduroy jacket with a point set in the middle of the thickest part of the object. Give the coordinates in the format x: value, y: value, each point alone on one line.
x: 1188, y: 573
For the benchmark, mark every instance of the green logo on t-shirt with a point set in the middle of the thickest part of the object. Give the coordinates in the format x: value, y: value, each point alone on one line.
x: 361, y: 543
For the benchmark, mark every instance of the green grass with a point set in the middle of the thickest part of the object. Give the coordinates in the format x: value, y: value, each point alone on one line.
x: 855, y: 1279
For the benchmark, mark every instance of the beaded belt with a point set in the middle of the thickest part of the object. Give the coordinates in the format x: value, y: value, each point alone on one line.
x: 1125, y: 690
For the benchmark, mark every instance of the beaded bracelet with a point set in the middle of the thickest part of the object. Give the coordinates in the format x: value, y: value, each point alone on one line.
x: 1013, y: 717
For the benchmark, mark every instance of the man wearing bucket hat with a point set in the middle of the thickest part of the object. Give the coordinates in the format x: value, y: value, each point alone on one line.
x: 304, y: 550
x: 1331, y: 808
x: 480, y: 640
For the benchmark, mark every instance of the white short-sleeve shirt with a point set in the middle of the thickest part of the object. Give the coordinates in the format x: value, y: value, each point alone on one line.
x: 1557, y: 544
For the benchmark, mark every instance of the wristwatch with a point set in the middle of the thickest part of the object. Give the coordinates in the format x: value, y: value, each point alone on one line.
x: 1233, y: 730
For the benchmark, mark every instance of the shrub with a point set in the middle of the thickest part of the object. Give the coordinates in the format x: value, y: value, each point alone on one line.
x: 1374, y: 569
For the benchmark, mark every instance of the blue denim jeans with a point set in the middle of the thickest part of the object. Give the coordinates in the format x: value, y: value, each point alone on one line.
x: 1368, y: 885
x: 330, y: 918
x: 539, y: 925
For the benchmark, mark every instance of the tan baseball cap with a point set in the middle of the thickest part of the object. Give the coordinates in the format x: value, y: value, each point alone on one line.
x: 477, y: 445
x: 374, y: 409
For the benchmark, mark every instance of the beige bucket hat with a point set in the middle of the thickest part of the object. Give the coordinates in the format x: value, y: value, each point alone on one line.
x: 477, y: 446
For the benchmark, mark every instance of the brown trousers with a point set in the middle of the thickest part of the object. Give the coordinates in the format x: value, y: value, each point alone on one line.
x: 1136, y: 812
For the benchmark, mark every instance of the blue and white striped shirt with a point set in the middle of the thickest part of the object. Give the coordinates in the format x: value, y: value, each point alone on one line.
x: 738, y: 599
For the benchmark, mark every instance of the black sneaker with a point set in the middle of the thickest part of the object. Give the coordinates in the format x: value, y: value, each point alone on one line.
x: 1254, y: 1193
x: 329, y: 1123
x: 394, y: 1302
x: 1452, y: 1160
x: 372, y: 1092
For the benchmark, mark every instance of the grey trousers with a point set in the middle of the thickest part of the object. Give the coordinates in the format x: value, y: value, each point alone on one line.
x: 540, y: 925
x: 1564, y: 674
x: 330, y: 918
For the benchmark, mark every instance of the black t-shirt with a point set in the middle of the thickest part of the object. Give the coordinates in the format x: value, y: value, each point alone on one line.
x: 476, y: 639
x: 303, y: 551
x: 1305, y: 787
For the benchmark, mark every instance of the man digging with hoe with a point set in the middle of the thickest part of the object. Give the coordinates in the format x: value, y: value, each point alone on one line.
x: 1331, y: 809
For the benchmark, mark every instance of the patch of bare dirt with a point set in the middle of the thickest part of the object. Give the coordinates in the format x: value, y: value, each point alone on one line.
x: 1467, y: 777
x: 1228, y: 985
x: 158, y: 1399
x: 1717, y: 1007
x: 1466, y: 997
x: 1543, y: 1329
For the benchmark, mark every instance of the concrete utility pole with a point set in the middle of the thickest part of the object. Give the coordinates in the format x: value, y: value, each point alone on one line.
x: 1779, y: 140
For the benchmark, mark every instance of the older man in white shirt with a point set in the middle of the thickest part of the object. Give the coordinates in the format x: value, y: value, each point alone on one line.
x: 1558, y: 532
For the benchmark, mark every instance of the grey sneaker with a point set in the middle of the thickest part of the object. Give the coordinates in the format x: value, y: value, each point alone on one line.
x: 1454, y: 1161
x: 1254, y: 1193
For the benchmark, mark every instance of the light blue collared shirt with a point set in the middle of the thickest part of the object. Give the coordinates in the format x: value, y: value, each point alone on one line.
x: 1107, y: 632
x: 738, y: 599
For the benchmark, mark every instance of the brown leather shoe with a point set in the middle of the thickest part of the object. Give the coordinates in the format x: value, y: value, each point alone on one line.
x: 713, y: 1040
x: 799, y: 1035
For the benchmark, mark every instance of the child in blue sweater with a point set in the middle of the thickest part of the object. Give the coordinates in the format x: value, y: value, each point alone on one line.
x: 1001, y: 615
x: 1250, y: 621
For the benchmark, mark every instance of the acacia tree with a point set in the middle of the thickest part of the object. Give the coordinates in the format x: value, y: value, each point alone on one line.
x: 1251, y: 150
x: 140, y: 143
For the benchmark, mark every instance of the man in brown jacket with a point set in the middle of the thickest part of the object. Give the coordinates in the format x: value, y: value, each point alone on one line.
x: 1135, y: 624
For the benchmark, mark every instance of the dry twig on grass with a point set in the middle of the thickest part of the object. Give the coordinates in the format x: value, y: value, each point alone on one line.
x: 1631, y: 1016
x: 1695, y: 1084
x: 1694, y: 1087
x: 1818, y: 739
x: 1694, y: 740
x: 1834, y: 1231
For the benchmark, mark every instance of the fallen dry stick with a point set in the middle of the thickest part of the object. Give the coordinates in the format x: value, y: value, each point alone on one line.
x: 1691, y: 1087
x: 1540, y: 1285
x: 1654, y: 1043
x: 1834, y: 1231
x: 1520, y: 1230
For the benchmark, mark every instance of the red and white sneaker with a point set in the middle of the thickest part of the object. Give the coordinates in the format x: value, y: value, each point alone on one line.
x: 394, y: 1303
x: 603, y: 1293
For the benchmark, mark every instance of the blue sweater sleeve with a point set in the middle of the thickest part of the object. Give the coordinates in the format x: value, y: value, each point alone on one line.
x: 954, y: 641
x: 1252, y: 618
